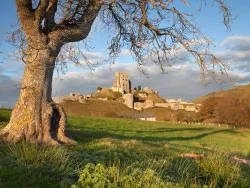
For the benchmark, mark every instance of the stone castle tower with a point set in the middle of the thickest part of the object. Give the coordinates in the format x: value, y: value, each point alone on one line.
x: 122, y: 83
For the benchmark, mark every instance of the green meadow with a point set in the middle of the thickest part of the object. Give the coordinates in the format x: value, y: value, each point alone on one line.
x: 129, y: 153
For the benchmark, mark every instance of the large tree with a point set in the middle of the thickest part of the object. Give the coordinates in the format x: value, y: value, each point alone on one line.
x: 153, y: 30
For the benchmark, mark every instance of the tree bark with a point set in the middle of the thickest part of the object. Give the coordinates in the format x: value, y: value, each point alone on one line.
x: 35, y: 117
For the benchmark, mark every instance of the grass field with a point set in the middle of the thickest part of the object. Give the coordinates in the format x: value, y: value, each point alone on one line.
x: 129, y: 153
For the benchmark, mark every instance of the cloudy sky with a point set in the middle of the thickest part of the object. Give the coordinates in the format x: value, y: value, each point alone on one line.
x: 182, y: 82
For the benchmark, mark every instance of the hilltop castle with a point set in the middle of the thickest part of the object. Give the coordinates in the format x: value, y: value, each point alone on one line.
x: 138, y: 98
x: 122, y: 83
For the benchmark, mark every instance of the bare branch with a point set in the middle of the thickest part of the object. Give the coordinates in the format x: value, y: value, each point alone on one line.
x: 227, y: 17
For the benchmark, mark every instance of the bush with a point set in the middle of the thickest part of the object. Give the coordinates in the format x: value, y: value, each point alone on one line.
x: 214, y: 170
x: 98, y: 176
x: 184, y: 116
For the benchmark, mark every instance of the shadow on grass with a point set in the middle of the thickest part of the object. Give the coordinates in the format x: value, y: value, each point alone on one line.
x: 84, y: 136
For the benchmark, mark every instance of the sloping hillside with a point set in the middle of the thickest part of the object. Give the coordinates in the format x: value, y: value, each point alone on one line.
x: 245, y: 90
x: 97, y: 108
x: 228, y: 107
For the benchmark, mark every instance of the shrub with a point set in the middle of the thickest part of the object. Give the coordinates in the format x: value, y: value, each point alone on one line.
x: 99, y: 88
x: 98, y: 176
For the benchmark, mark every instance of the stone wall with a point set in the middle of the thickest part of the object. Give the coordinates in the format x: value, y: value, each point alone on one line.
x: 128, y: 100
x: 72, y: 97
x: 148, y: 119
x: 148, y: 90
x: 139, y: 105
x: 163, y: 105
x: 149, y: 104
x: 143, y: 105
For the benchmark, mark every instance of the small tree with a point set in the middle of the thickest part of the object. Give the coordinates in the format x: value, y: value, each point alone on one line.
x: 153, y: 30
x: 99, y: 88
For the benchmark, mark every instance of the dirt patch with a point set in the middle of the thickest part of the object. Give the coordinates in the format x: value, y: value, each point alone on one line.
x: 192, y: 155
x: 129, y: 142
x: 209, y: 148
x: 166, y: 146
x: 242, y: 161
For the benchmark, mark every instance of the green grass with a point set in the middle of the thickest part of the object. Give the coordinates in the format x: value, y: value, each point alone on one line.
x: 129, y: 153
x: 4, y: 114
x: 118, y: 133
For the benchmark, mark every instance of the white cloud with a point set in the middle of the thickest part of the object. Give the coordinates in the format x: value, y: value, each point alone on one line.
x: 237, y: 52
x: 238, y: 43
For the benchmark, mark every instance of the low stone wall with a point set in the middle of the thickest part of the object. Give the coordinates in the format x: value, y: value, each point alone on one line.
x: 148, y: 119
x: 61, y: 99
x: 143, y: 105
x: 163, y: 105
x: 190, y: 107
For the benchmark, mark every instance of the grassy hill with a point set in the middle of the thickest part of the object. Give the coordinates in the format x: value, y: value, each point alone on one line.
x: 230, y: 107
x: 245, y: 90
x: 129, y: 153
x: 97, y: 108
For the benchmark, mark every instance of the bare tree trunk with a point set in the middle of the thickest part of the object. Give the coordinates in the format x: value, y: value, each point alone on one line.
x: 35, y: 117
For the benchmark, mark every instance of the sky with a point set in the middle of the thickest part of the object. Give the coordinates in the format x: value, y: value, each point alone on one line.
x: 183, y: 82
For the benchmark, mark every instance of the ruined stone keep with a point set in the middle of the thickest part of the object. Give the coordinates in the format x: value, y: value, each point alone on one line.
x: 122, y: 83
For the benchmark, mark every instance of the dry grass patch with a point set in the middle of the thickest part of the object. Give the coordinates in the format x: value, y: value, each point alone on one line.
x: 127, y: 143
x: 192, y: 155
x: 242, y: 161
x: 109, y: 142
x: 166, y: 146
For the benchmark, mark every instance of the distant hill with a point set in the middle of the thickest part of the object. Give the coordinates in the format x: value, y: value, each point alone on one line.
x: 245, y: 90
x: 227, y: 107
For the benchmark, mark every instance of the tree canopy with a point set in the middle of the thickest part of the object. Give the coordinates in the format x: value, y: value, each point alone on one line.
x: 154, y: 31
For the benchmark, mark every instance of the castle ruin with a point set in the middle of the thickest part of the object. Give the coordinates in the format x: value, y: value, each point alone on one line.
x: 122, y: 83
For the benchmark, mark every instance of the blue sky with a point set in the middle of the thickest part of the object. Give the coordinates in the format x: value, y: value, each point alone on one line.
x: 184, y: 83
